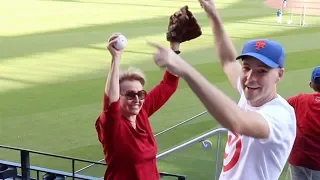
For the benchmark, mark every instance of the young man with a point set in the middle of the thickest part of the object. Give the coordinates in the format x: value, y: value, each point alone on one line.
x: 304, y: 159
x: 262, y: 127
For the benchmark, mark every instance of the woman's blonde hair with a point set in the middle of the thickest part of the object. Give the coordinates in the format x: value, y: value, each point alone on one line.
x: 131, y: 74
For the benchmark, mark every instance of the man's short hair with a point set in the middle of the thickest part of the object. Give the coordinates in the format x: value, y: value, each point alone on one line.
x: 317, y: 81
x: 316, y: 85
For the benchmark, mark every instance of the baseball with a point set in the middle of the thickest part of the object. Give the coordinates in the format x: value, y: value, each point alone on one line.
x: 121, y: 42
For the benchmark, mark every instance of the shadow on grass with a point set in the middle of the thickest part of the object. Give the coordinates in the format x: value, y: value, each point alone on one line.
x: 125, y: 51
x: 83, y: 37
x: 122, y: 4
x: 18, y: 80
x: 246, y: 2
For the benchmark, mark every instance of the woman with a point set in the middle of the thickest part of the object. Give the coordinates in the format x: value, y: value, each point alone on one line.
x: 123, y: 127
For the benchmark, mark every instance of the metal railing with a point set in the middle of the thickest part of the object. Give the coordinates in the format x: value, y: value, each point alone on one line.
x: 206, y: 144
x: 160, y: 133
x: 181, y: 123
x: 26, y: 168
x: 200, y: 139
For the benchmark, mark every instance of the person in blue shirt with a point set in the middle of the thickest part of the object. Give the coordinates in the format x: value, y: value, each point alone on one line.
x: 279, y: 16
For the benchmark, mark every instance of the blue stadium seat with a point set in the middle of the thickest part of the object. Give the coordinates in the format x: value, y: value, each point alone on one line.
x: 8, y: 172
x: 51, y: 176
x: 180, y: 177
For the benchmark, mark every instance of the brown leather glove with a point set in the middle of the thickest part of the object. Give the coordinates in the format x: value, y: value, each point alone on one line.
x: 183, y: 26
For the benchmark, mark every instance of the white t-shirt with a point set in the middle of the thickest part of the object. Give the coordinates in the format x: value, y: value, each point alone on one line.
x: 248, y: 158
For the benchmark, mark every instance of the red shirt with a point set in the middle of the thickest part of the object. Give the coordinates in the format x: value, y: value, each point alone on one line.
x: 306, y: 149
x: 131, y: 153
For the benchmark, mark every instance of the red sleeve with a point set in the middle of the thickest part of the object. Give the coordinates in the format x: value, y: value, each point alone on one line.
x: 108, y: 121
x: 160, y: 94
x: 293, y: 100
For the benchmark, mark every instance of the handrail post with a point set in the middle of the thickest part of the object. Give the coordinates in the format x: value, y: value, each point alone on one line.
x: 73, y: 169
x: 217, y: 156
x: 25, y: 164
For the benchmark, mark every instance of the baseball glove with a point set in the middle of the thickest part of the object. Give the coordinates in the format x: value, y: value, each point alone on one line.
x: 183, y: 26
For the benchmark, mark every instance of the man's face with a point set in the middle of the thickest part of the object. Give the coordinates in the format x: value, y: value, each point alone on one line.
x: 259, y: 81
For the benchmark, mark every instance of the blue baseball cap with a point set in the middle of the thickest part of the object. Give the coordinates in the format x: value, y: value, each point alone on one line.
x: 315, y: 74
x: 267, y: 51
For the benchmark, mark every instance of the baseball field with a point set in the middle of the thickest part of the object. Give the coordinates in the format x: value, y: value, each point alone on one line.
x: 54, y: 62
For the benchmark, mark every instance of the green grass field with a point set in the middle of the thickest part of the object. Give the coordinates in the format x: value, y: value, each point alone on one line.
x: 53, y: 65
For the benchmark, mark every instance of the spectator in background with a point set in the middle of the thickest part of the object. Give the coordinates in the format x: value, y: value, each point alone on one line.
x: 123, y: 127
x: 304, y: 159
x: 279, y: 16
x: 284, y: 3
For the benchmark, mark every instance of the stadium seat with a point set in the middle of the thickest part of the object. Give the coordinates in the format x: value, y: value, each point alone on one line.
x: 180, y: 177
x: 8, y: 172
x: 50, y: 176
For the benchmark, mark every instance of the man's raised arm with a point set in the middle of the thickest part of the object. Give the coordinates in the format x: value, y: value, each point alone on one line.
x: 225, y: 50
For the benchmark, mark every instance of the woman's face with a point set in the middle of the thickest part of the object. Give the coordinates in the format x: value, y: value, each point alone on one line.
x: 131, y: 97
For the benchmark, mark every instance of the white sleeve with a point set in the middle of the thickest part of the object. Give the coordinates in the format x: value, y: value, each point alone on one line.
x: 239, y: 87
x: 281, y: 124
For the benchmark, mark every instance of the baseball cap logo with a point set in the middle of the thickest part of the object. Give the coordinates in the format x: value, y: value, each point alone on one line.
x: 260, y: 44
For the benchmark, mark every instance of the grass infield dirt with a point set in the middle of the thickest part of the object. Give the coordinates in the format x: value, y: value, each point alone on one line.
x: 312, y: 6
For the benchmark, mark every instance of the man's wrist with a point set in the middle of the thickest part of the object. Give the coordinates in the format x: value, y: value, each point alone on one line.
x: 213, y: 16
x: 175, y: 46
x: 177, y: 52
x: 187, y: 69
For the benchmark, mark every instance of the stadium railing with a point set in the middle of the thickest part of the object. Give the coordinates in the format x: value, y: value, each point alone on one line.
x: 206, y: 144
x: 200, y: 139
x: 26, y: 167
x: 157, y: 134
x: 181, y: 123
